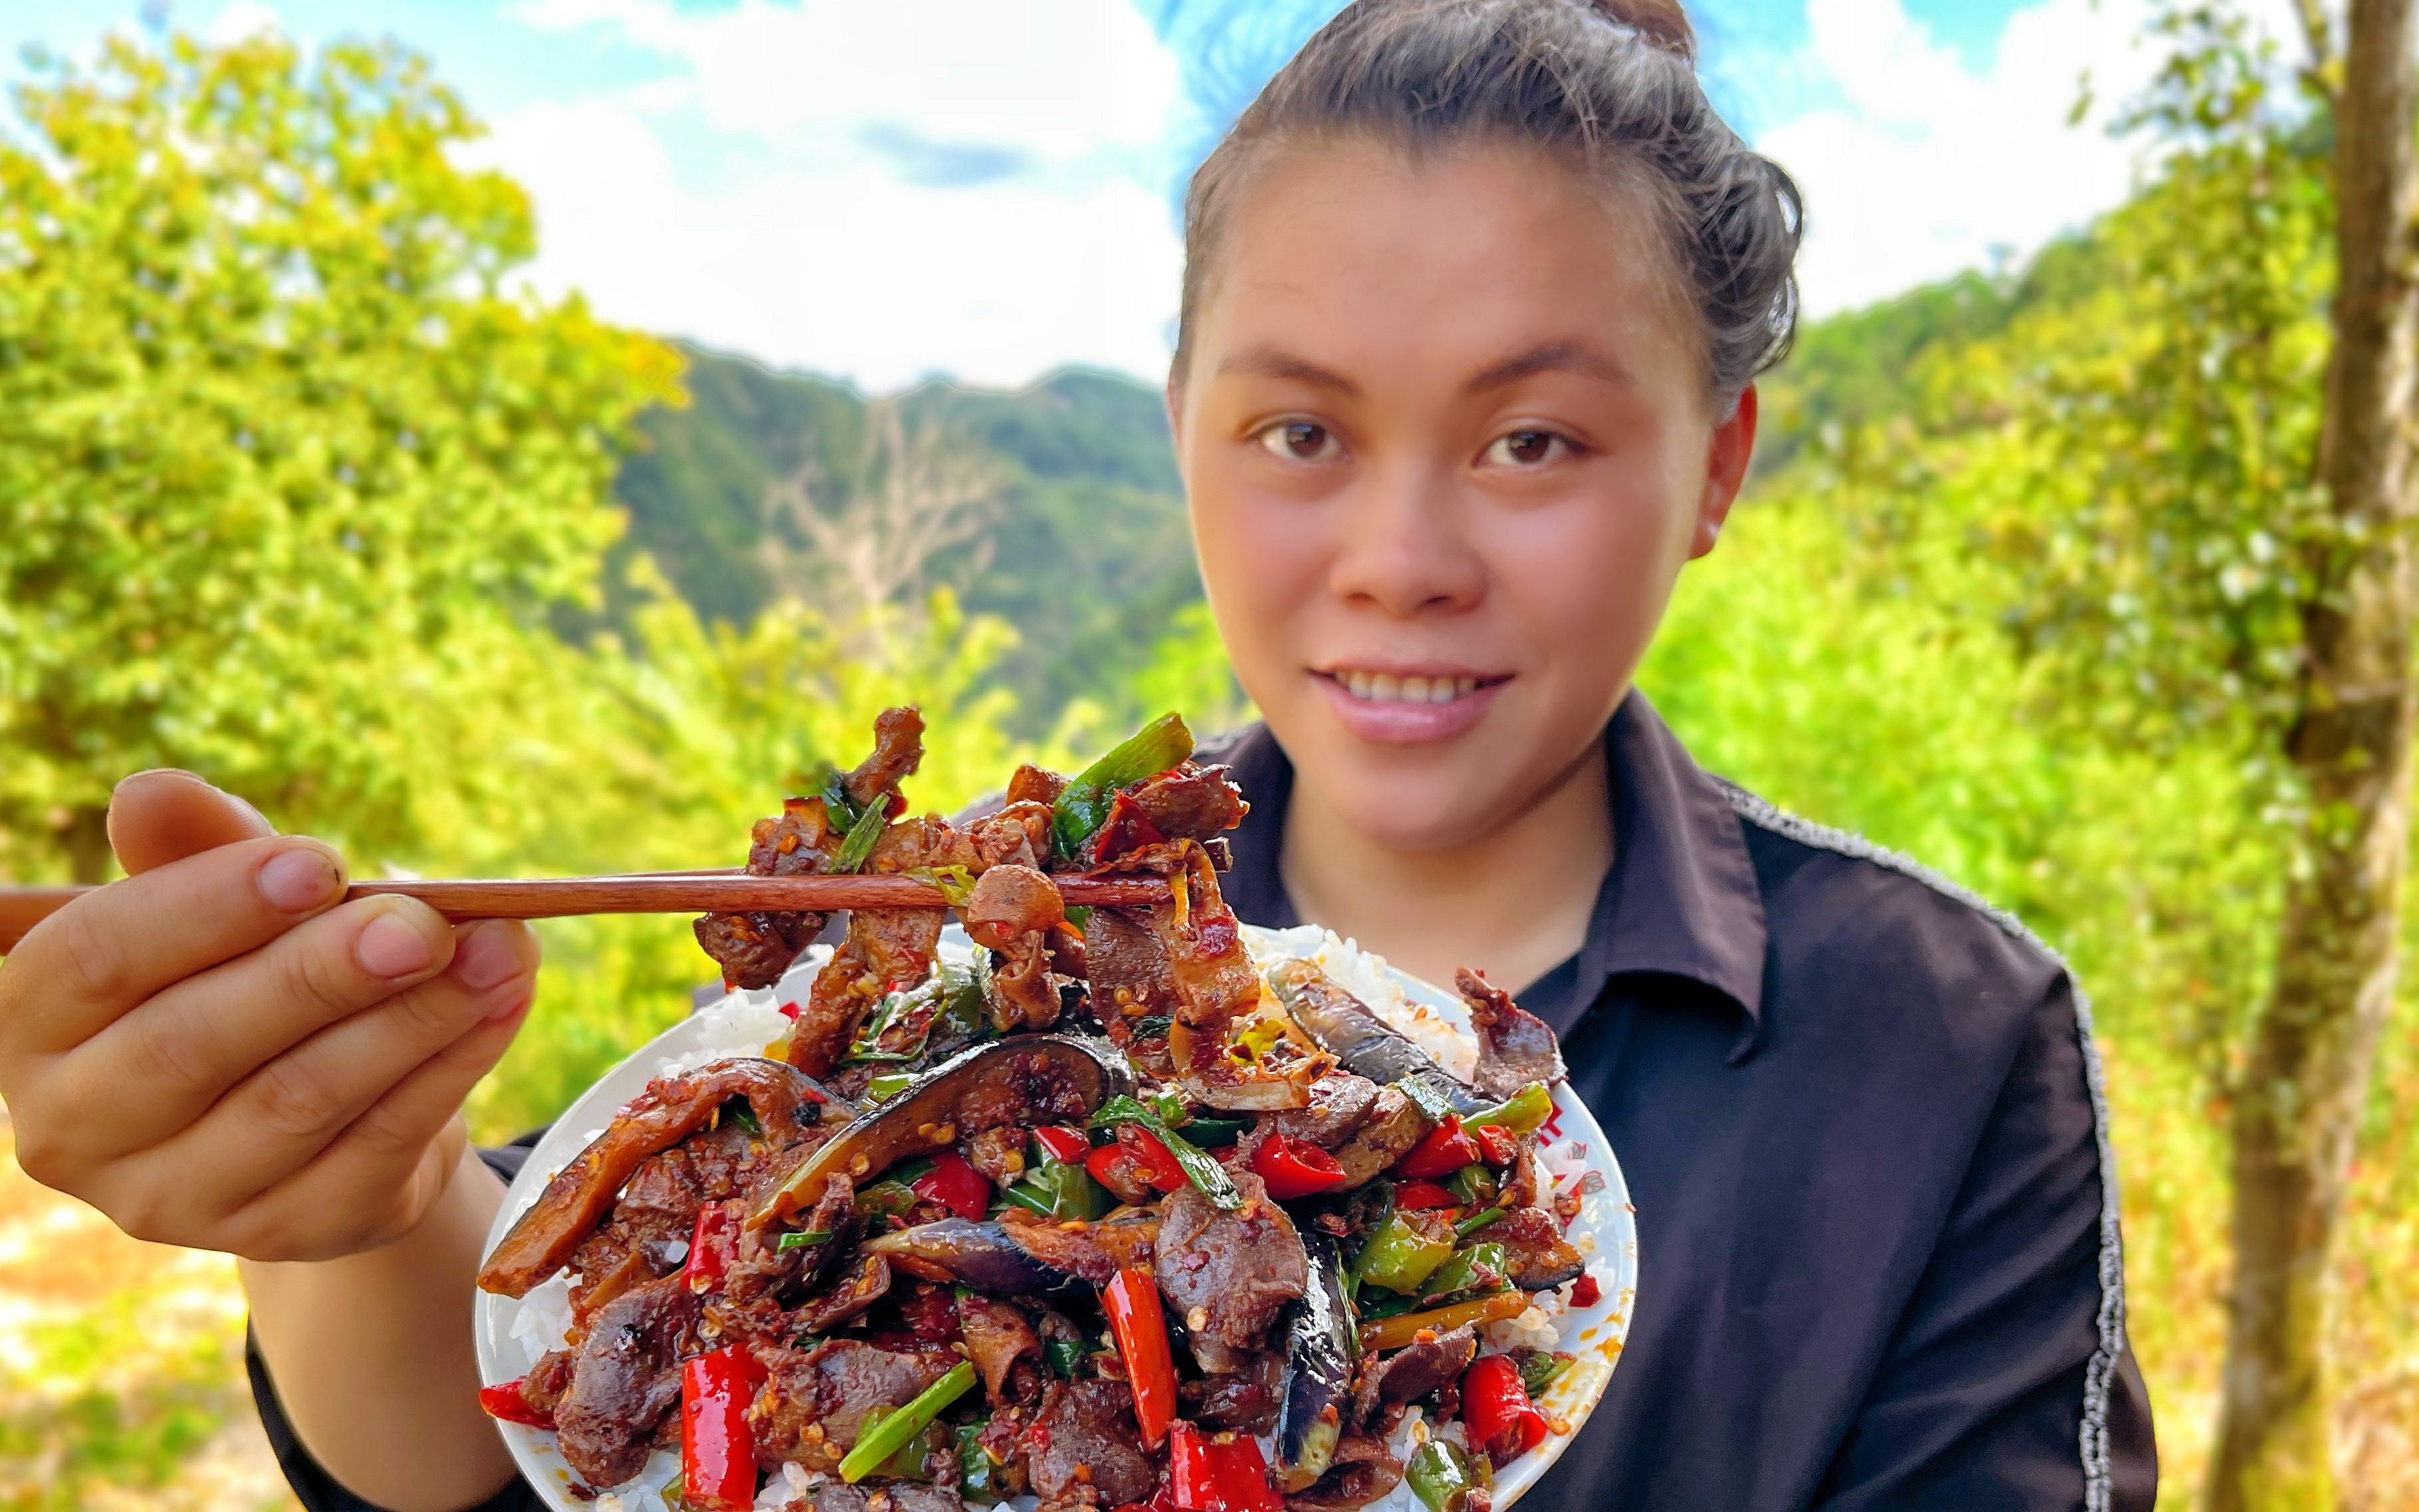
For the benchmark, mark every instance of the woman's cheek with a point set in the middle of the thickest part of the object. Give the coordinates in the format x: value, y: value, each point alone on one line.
x: 1261, y: 565
x: 1589, y: 583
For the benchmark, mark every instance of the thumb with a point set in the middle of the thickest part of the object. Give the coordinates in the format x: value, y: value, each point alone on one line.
x: 166, y: 815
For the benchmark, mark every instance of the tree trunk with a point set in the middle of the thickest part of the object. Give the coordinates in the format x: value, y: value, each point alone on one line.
x: 2298, y: 1110
x: 86, y: 840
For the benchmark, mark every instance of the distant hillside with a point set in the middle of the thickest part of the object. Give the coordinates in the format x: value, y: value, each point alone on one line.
x: 1086, y: 552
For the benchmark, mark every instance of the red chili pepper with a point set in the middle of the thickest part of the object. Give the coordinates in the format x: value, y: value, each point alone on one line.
x: 1211, y: 1476
x: 1500, y: 1147
x: 1496, y: 1408
x: 506, y: 1404
x: 955, y: 1185
x: 711, y: 1248
x: 1065, y: 1145
x: 1446, y: 1150
x: 1586, y: 1292
x: 1417, y: 1195
x: 718, y: 1446
x: 1132, y: 1302
x: 1151, y: 1159
x: 790, y: 1012
x: 1294, y: 1167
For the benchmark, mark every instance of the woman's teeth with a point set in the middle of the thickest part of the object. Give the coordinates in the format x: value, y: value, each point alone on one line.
x: 1385, y: 687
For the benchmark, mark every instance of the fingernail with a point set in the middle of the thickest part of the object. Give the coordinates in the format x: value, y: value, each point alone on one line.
x: 298, y: 879
x: 486, y: 956
x: 391, y: 947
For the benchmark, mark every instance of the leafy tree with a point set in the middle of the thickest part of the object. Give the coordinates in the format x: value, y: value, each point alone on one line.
x: 279, y: 451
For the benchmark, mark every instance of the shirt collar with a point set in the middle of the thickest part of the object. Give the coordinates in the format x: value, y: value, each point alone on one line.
x: 1681, y: 899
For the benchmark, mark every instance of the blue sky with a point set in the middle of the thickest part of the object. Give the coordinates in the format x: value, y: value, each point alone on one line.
x: 889, y: 189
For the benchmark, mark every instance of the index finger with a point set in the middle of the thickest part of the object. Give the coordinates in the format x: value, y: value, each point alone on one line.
x: 78, y: 970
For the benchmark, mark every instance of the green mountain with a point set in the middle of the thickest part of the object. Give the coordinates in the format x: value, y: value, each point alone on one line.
x: 1082, y: 544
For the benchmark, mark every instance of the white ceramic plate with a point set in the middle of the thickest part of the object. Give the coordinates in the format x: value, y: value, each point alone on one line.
x: 512, y: 1335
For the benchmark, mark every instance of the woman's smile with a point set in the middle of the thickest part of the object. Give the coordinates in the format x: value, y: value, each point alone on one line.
x: 1394, y: 705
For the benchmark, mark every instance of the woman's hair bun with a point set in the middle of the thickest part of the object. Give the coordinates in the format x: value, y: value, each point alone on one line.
x: 1660, y: 22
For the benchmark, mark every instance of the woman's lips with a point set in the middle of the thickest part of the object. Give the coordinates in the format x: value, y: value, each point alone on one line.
x: 1393, y: 709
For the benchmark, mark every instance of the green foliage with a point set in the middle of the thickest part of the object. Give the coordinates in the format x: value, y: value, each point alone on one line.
x: 1086, y: 549
x: 276, y: 452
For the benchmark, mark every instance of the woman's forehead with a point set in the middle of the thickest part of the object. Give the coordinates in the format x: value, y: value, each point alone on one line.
x: 1353, y: 251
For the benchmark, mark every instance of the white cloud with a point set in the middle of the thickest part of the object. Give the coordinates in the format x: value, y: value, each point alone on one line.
x: 1931, y: 166
x: 960, y: 186
x: 240, y: 22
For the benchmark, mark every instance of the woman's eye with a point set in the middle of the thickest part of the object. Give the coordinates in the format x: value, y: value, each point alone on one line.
x: 1526, y: 448
x: 1300, y: 441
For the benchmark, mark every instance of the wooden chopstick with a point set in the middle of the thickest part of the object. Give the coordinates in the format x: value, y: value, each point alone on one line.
x: 656, y: 892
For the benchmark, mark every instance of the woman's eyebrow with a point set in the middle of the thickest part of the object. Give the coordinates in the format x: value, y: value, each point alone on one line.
x: 1551, y: 357
x: 1269, y: 362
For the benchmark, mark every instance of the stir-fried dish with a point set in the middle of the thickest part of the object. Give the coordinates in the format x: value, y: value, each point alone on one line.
x: 1108, y: 1219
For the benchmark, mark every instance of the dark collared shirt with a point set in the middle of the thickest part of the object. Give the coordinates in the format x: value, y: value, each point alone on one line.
x: 1860, y: 1116
x: 1862, y: 1119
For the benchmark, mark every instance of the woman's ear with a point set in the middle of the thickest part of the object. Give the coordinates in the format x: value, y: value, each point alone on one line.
x: 1726, y: 458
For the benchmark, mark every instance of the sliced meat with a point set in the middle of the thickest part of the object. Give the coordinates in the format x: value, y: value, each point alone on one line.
x: 861, y: 1288
x: 1216, y: 984
x: 669, y: 1111
x: 1004, y: 1350
x: 1361, y: 1472
x: 1190, y: 802
x: 908, y: 1496
x: 1094, y: 1252
x: 547, y: 1379
x: 1229, y: 1274
x: 885, y: 950
x: 821, y: 1395
x: 1394, y: 1127
x: 839, y: 1496
x: 1012, y: 910
x: 756, y: 949
x: 1033, y: 784
x: 1017, y: 835
x: 625, y: 1381
x: 1125, y: 966
x: 762, y: 1269
x: 1245, y: 1401
x: 1515, y: 1047
x: 897, y: 750
x: 1340, y: 1103
x: 1085, y: 1437
x: 1536, y: 1256
x: 998, y: 1153
x: 1407, y: 1374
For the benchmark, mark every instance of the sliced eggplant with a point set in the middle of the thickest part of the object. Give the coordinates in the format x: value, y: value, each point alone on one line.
x: 1320, y: 1345
x: 1017, y: 1261
x: 1368, y: 1046
x: 938, y: 1107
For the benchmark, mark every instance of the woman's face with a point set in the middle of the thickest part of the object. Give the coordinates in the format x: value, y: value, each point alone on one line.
x: 1444, y: 432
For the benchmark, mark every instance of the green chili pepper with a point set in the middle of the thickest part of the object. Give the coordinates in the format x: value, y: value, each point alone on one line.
x: 1205, y: 1174
x: 1426, y: 1092
x: 1065, y: 1358
x: 1153, y: 1026
x: 1472, y: 1186
x: 1399, y: 1255
x: 800, y: 1239
x: 1539, y: 1370
x: 1059, y: 1190
x: 738, y: 1112
x: 976, y: 1475
x: 877, y: 1441
x: 1083, y: 805
x: 1079, y: 917
x: 1475, y: 1222
x: 1524, y: 1112
x: 858, y: 843
x: 886, y: 1199
x: 1471, y: 1272
x: 1441, y: 1476
x: 908, y: 1462
x: 889, y: 1084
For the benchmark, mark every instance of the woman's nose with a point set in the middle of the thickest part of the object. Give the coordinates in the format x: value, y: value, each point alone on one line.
x: 1405, y: 547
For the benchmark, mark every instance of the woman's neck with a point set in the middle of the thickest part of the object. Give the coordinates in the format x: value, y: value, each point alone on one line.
x: 1514, y: 905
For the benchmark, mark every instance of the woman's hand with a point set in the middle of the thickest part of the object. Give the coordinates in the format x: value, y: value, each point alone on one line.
x: 218, y: 1052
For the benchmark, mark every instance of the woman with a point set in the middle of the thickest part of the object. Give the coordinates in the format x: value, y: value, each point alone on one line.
x: 1476, y: 295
